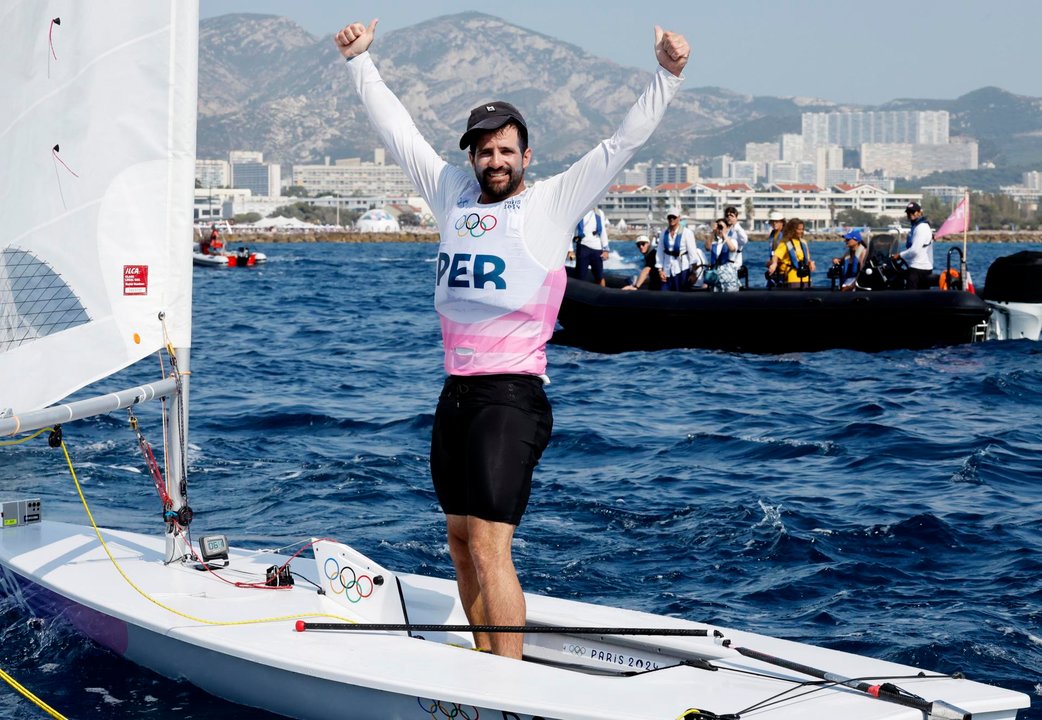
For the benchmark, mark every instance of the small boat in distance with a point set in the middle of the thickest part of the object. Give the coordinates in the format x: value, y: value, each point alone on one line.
x: 241, y: 257
x: 212, y: 250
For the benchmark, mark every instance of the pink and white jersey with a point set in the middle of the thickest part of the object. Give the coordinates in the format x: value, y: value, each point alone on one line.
x: 498, y: 304
x: 500, y: 271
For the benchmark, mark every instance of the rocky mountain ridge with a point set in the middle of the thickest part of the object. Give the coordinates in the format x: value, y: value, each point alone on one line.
x: 266, y: 84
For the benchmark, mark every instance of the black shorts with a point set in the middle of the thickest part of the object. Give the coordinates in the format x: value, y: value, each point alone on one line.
x: 489, y: 433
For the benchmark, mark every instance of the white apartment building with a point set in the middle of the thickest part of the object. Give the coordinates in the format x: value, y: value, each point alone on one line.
x: 853, y: 129
x: 792, y: 172
x: 950, y: 194
x: 354, y: 176
x: 763, y: 153
x: 661, y: 173
x: 215, y: 203
x: 791, y: 147
x: 916, y: 160
x: 213, y: 173
x: 245, y: 156
x: 746, y: 171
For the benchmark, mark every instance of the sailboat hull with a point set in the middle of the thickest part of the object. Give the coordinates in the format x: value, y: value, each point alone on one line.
x: 241, y: 644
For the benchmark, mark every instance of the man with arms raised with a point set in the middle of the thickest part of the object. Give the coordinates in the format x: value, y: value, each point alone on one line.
x: 500, y: 280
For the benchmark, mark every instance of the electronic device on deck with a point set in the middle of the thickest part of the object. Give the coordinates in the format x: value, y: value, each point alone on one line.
x: 20, y: 512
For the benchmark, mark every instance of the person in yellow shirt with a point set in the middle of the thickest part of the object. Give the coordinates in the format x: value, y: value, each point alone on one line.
x: 791, y: 261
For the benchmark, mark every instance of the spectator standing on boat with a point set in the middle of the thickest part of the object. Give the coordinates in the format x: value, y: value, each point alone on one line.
x: 776, y: 218
x: 848, y: 266
x: 591, y: 248
x: 212, y: 242
x: 918, y: 252
x: 735, y: 232
x: 723, y: 249
x: 791, y: 260
x: 499, y: 283
x: 649, y: 277
x: 676, y: 251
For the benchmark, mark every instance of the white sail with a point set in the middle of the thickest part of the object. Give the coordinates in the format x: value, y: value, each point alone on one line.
x: 97, y: 146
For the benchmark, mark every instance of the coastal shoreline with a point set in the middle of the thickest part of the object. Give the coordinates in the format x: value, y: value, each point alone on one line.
x: 981, y: 236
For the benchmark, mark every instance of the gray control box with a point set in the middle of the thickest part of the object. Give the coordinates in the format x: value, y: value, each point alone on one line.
x: 20, y: 512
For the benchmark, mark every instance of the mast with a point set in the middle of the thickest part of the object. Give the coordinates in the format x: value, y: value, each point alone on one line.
x: 177, y: 459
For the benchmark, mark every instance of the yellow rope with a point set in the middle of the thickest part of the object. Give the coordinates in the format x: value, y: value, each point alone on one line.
x: 25, y: 439
x: 32, y: 698
x: 152, y: 600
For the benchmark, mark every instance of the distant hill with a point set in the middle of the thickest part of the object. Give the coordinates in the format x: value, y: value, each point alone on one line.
x: 266, y: 84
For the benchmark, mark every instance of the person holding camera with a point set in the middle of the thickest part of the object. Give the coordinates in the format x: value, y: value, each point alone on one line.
x: 723, y: 253
x: 791, y: 264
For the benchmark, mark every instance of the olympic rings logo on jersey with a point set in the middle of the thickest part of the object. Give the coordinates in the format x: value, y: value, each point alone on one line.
x: 340, y: 584
x: 475, y: 225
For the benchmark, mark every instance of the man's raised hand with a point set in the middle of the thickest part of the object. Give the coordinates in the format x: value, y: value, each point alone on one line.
x: 671, y: 50
x: 355, y: 39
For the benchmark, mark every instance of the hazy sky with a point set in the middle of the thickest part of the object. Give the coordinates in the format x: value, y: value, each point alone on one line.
x: 858, y: 52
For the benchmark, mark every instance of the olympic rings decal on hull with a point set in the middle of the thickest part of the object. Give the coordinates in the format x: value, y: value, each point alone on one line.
x: 475, y: 225
x: 439, y: 709
x: 340, y: 584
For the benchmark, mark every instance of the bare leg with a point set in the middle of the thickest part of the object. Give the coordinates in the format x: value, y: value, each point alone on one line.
x: 501, y: 595
x: 466, y: 576
x: 488, y: 585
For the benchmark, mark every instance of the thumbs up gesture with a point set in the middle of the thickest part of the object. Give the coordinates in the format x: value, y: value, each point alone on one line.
x: 355, y: 39
x: 671, y: 50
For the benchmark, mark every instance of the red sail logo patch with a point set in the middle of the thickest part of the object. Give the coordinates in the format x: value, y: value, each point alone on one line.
x: 135, y: 279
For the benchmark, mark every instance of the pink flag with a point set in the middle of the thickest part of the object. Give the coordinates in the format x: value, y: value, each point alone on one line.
x: 958, y: 221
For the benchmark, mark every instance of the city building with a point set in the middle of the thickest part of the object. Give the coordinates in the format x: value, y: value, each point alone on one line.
x: 250, y: 172
x: 354, y: 176
x: 791, y: 148
x: 853, y: 129
x: 916, y: 160
x: 213, y: 173
x: 949, y: 194
x: 763, y: 153
x: 702, y: 202
x: 661, y: 173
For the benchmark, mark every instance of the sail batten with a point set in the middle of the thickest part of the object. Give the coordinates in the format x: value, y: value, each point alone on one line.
x: 98, y: 134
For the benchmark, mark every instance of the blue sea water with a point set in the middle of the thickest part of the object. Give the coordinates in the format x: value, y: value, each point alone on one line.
x: 886, y: 504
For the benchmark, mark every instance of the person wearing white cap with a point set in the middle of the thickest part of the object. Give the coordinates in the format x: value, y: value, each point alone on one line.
x: 499, y: 282
x: 649, y: 277
x: 918, y: 252
x: 677, y: 251
x: 777, y: 220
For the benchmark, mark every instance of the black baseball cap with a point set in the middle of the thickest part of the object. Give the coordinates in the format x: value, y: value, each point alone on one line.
x: 492, y: 116
x: 913, y: 207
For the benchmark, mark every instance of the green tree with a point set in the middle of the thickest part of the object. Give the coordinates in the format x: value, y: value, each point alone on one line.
x: 855, y: 217
x: 249, y: 217
x: 294, y: 191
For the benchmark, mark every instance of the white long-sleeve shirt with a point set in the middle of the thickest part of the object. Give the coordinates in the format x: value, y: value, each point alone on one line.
x: 591, y: 238
x: 561, y: 199
x: 737, y: 233
x: 500, y: 276
x: 688, y: 248
x: 919, y: 253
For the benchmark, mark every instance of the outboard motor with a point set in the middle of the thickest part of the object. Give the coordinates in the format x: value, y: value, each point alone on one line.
x: 881, y: 272
x: 242, y: 256
x: 1013, y: 289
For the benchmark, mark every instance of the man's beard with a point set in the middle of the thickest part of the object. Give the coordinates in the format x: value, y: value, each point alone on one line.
x: 505, y: 189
